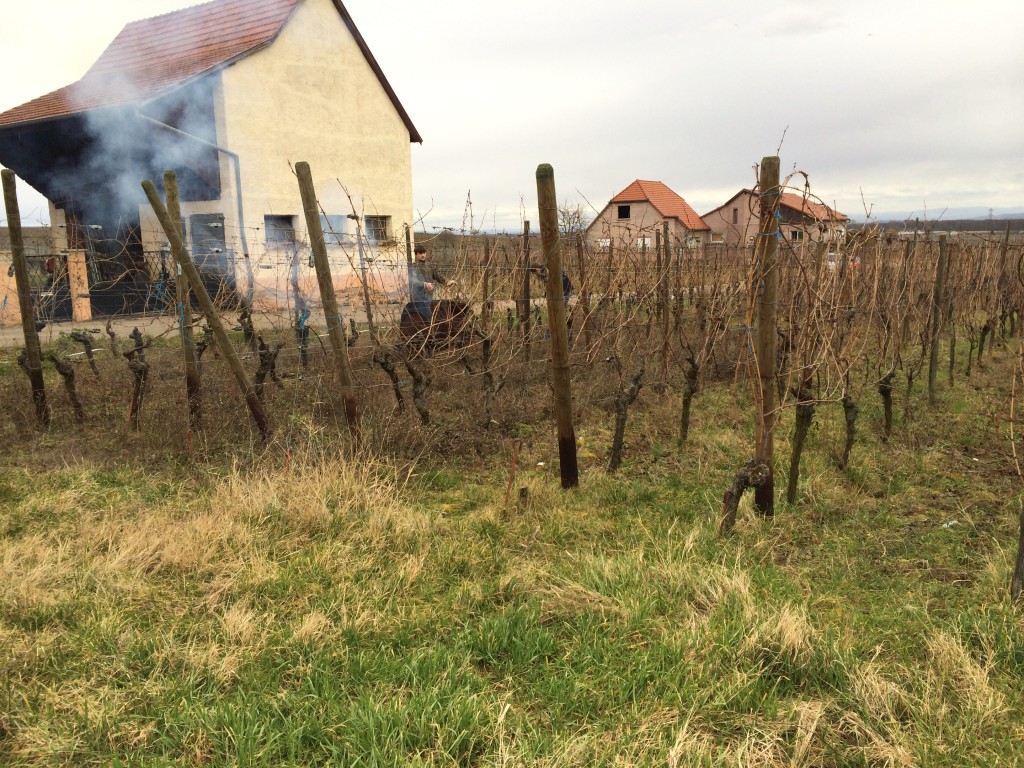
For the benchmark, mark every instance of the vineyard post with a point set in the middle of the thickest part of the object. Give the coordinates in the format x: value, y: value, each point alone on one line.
x: 1001, y: 304
x: 547, y: 204
x: 408, y: 245
x: 332, y: 314
x: 34, y: 363
x: 584, y: 290
x: 212, y: 318
x: 657, y: 273
x: 663, y: 286
x: 524, y: 304
x: 193, y: 384
x: 766, y: 287
x: 937, y: 298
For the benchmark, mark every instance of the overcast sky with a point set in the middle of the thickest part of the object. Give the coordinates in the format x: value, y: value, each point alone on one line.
x: 906, y: 105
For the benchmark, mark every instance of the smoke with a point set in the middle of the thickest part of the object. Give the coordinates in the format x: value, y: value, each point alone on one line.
x: 120, y: 149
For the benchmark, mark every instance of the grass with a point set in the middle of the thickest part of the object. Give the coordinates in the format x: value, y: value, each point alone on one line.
x: 317, y: 610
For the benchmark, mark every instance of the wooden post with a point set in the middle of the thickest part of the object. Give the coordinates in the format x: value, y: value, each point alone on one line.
x: 524, y: 316
x: 584, y: 290
x: 937, y: 299
x: 364, y: 281
x: 332, y: 314
x: 666, y: 267
x: 193, y: 383
x: 547, y: 204
x: 766, y: 291
x: 408, y: 244
x: 33, y: 361
x: 173, y: 233
x: 1001, y: 304
x: 485, y: 318
x: 657, y: 272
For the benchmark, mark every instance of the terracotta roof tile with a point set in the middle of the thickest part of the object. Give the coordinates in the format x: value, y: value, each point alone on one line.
x: 818, y: 211
x: 154, y: 55
x: 665, y: 201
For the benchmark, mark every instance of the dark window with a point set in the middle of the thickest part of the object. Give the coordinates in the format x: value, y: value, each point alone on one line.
x: 623, y: 211
x: 796, y: 234
x: 378, y: 229
x: 280, y: 230
x: 735, y: 215
x: 335, y: 229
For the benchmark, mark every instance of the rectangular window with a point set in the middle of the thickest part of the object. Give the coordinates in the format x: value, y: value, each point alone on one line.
x: 623, y: 211
x: 335, y: 229
x: 735, y: 215
x: 643, y: 243
x: 378, y: 228
x: 280, y: 230
x: 796, y: 234
x: 604, y: 244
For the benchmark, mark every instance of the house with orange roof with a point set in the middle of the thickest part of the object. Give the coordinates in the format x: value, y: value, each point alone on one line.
x: 632, y: 218
x: 230, y: 94
x: 736, y: 221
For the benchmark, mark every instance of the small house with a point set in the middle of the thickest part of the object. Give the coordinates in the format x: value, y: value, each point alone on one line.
x: 736, y: 221
x: 229, y: 95
x: 633, y: 218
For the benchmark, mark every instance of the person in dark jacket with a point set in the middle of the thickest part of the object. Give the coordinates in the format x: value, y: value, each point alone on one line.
x: 542, y: 272
x: 423, y: 280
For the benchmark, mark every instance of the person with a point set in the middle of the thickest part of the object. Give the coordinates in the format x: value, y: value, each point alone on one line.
x: 542, y: 272
x: 423, y: 279
x: 51, y: 273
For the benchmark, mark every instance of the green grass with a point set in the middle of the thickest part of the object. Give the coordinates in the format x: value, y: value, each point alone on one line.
x: 333, y: 612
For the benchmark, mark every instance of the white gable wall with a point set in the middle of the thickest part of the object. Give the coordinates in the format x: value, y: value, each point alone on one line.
x: 311, y: 95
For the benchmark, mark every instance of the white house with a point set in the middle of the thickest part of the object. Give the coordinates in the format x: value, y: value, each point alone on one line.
x: 229, y: 94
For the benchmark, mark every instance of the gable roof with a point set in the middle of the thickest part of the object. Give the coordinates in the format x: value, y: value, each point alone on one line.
x: 798, y: 203
x: 665, y: 201
x: 156, y: 55
x: 818, y: 211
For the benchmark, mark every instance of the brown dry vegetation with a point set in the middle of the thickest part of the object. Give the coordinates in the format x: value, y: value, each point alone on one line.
x: 217, y: 601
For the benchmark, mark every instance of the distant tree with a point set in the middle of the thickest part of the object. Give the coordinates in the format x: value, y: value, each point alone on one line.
x: 572, y: 219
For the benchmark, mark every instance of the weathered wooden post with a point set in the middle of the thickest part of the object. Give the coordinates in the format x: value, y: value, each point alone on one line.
x: 766, y: 289
x: 193, y: 382
x: 584, y: 291
x: 663, y: 285
x: 524, y: 311
x: 33, y: 361
x: 937, y: 298
x: 486, y: 313
x: 547, y: 204
x: 335, y: 323
x: 173, y: 234
x: 759, y: 473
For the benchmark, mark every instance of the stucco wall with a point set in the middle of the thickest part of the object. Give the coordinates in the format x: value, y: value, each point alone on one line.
x: 644, y: 220
x: 311, y: 95
x: 743, y: 233
x: 721, y: 221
